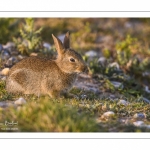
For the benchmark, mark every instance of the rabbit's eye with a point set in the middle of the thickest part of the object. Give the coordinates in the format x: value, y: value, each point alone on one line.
x: 72, y: 59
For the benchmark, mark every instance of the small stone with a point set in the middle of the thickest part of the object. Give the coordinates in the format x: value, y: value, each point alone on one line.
x: 102, y: 61
x: 146, y: 100
x: 20, y: 57
x: 108, y: 114
x: 11, y: 61
x: 91, y: 54
x: 5, y: 55
x: 114, y: 65
x: 147, y: 89
x: 5, y: 71
x: 139, y: 116
x: 123, y: 102
x: 3, y: 78
x: 145, y: 74
x: 9, y: 45
x: 1, y: 47
x: 47, y: 45
x: 33, y: 54
x: 128, y: 25
x: 147, y: 126
x: 117, y: 84
x: 83, y: 96
x: 20, y: 101
x: 138, y: 123
x: 8, y: 63
x: 3, y: 104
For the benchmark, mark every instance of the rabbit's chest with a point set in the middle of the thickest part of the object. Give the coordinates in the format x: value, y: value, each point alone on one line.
x: 58, y: 82
x: 65, y: 82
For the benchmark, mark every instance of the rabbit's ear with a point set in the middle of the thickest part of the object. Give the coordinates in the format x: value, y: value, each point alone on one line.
x: 58, y: 44
x: 67, y: 41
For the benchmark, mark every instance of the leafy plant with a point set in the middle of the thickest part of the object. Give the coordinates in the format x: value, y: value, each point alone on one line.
x: 3, y: 93
x: 83, y: 37
x: 30, y: 39
x: 124, y: 49
x: 8, y: 29
x: 48, y: 116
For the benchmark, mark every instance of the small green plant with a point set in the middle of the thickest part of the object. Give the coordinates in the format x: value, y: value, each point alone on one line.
x: 8, y: 28
x: 3, y: 93
x: 30, y: 39
x: 124, y: 49
x: 48, y: 116
x: 132, y: 58
x: 106, y: 53
x: 97, y: 67
x: 83, y: 37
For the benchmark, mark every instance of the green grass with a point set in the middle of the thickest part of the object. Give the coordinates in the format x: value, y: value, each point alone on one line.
x: 73, y: 115
x: 48, y: 116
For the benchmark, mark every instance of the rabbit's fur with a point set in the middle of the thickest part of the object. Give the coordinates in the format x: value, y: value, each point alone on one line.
x: 35, y: 75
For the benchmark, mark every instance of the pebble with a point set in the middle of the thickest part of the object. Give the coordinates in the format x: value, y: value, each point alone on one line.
x: 5, y: 104
x: 117, y: 84
x: 147, y: 126
x: 91, y: 54
x: 146, y: 100
x: 11, y: 61
x: 128, y: 25
x: 83, y: 96
x: 145, y: 74
x: 102, y: 61
x: 115, y: 65
x: 5, y: 55
x: 1, y: 47
x: 20, y: 101
x: 123, y: 102
x: 9, y: 45
x: 4, y: 71
x: 3, y: 78
x: 47, y: 45
x: 20, y: 57
x: 33, y: 54
x: 108, y: 114
x: 138, y: 123
x: 147, y: 89
x: 139, y: 116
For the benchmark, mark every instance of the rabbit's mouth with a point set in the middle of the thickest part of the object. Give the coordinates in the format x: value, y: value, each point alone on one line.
x: 82, y: 70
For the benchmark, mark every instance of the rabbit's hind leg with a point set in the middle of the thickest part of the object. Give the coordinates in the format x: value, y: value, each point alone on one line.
x: 14, y: 83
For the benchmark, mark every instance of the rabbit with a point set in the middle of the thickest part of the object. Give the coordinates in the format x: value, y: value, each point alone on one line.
x: 36, y: 75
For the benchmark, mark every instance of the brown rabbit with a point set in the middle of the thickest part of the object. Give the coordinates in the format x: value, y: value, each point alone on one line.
x: 35, y: 75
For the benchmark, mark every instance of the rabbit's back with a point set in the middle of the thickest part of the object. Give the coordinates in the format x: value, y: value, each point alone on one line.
x: 33, y: 63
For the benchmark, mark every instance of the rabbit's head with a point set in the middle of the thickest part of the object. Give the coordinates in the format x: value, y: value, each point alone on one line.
x: 68, y: 60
